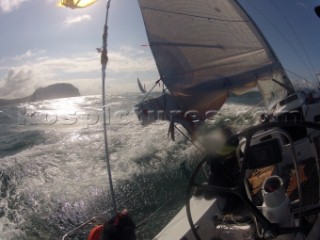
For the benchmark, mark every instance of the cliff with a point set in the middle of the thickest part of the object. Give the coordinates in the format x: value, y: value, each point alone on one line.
x: 59, y: 90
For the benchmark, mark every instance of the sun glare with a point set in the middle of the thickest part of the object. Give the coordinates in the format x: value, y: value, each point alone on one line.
x: 76, y: 3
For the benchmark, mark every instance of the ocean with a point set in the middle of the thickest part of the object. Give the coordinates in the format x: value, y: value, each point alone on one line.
x: 53, y: 174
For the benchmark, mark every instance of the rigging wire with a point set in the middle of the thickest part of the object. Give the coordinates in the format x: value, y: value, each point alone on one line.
x: 189, y: 139
x: 298, y: 39
x: 281, y: 34
x: 97, y: 219
x: 90, y: 221
x: 104, y: 62
x: 248, y: 111
x: 148, y: 93
x: 158, y: 210
x: 301, y: 77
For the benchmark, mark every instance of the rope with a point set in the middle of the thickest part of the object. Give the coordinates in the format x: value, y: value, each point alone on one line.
x: 104, y: 62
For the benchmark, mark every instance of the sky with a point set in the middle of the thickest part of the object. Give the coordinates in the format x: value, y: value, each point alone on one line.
x: 42, y: 44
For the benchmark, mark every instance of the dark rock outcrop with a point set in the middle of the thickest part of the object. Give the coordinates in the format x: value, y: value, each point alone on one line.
x: 59, y: 90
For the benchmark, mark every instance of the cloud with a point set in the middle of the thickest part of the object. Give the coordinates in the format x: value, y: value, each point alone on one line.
x: 40, y: 71
x: 83, y: 70
x: 130, y: 60
x: 17, y: 81
x: 76, y: 19
x: 30, y: 53
x: 9, y: 5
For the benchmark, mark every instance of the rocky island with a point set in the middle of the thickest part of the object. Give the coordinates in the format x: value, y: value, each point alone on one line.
x: 59, y: 90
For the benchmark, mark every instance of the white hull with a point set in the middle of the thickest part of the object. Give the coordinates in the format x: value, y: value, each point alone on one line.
x: 203, y: 211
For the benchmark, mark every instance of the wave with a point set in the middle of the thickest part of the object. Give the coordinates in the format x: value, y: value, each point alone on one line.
x: 53, y: 177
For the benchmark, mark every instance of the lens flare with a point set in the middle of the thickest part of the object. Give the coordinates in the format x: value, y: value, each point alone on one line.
x: 76, y: 3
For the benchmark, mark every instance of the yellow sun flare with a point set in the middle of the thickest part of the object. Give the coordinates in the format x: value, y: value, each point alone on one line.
x: 76, y: 3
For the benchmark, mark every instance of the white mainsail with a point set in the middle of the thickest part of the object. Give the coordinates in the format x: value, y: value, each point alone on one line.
x: 206, y: 49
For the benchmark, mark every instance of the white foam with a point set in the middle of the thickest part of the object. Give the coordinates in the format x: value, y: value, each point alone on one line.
x: 68, y: 171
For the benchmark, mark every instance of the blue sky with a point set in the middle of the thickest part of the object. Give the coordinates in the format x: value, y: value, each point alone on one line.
x: 42, y: 44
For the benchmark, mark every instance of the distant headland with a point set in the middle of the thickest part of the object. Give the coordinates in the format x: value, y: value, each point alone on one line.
x: 59, y: 90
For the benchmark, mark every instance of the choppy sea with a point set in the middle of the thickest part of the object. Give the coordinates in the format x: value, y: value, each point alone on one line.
x: 53, y: 173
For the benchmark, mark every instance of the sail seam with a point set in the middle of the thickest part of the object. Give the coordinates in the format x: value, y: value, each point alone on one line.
x: 185, y: 45
x: 216, y: 62
x: 191, y: 15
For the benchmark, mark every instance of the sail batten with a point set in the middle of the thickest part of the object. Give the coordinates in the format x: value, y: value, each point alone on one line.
x: 192, y: 15
x: 177, y: 44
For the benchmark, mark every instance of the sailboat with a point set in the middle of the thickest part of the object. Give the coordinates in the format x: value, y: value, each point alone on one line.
x: 266, y: 184
x: 205, y: 51
x: 142, y: 89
